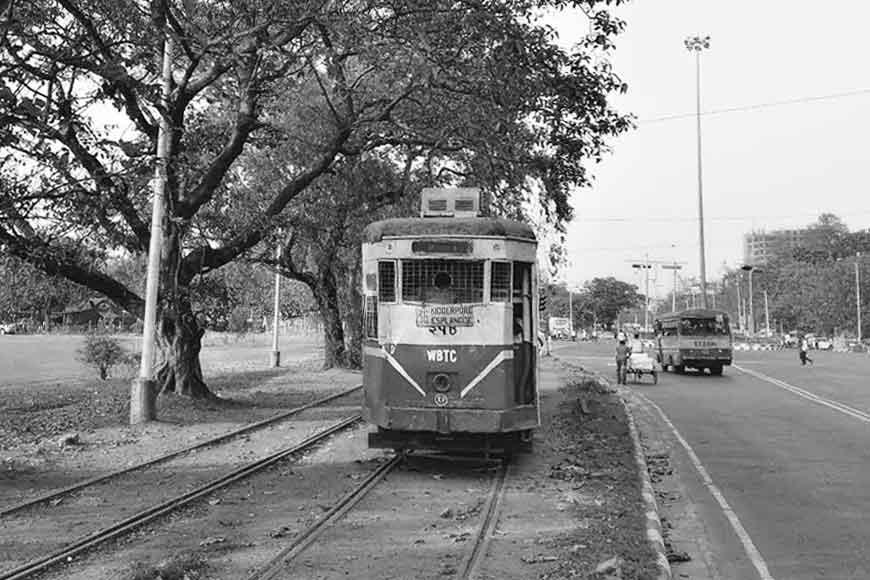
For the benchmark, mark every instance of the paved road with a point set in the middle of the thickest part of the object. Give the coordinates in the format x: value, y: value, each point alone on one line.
x: 789, y: 449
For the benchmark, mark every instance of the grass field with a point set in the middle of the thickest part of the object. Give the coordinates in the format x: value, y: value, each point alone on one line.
x: 43, y: 358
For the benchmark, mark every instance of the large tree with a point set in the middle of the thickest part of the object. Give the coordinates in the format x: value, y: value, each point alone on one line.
x: 468, y: 90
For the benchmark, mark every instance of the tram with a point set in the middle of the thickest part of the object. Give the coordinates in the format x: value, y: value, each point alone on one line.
x: 450, y: 357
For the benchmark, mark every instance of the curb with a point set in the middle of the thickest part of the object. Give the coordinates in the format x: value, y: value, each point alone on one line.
x: 651, y: 511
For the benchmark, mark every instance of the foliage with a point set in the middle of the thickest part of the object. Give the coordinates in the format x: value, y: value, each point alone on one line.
x: 102, y: 352
x: 812, y: 289
x: 269, y: 98
x: 605, y: 298
x: 28, y: 292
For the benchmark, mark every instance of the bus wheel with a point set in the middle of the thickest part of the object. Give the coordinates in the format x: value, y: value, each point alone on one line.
x: 679, y: 369
x: 716, y: 370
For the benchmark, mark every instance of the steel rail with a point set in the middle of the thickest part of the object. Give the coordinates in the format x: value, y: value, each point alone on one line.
x: 304, y: 539
x: 486, y: 530
x: 173, y: 454
x: 161, y: 509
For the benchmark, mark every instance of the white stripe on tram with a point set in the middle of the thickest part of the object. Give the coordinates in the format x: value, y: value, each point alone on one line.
x: 502, y: 356
x: 380, y: 352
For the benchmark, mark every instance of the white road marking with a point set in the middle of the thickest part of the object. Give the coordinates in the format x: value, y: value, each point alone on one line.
x: 751, y: 551
x: 842, y: 408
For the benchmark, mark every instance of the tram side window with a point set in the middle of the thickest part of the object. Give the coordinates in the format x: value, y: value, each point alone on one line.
x: 387, y: 281
x: 500, y: 282
x: 370, y: 317
x: 442, y: 281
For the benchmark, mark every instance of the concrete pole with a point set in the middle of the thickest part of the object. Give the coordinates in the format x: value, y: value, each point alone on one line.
x: 276, y: 312
x: 740, y: 313
x: 766, y: 315
x: 751, y: 311
x: 674, y: 296
x: 858, y: 293
x: 143, y: 393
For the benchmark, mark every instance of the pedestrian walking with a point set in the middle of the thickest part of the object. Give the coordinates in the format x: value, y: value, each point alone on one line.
x: 622, y: 353
x: 802, y: 352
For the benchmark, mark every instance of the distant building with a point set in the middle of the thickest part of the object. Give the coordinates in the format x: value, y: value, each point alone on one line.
x: 95, y: 312
x: 759, y: 247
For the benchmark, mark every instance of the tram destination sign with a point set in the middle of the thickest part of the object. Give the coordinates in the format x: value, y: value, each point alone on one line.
x: 445, y: 315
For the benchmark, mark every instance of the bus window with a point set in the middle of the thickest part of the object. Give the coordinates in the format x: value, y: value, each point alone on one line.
x: 703, y: 326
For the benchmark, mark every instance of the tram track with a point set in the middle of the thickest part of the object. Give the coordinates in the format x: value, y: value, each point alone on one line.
x: 68, y: 490
x: 278, y: 566
x: 147, y: 515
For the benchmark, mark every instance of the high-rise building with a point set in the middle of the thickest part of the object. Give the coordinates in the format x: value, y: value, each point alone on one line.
x: 760, y: 246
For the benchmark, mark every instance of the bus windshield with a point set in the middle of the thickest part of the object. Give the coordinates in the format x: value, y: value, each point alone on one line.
x: 703, y: 326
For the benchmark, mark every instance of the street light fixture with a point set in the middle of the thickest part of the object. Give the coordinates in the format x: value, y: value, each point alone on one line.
x: 696, y: 44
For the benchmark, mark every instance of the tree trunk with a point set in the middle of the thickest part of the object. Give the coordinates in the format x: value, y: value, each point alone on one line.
x: 326, y: 295
x: 180, y: 333
x: 352, y: 311
x: 181, y: 339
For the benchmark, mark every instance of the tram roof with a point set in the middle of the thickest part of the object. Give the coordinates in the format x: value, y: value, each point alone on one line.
x: 447, y: 226
x: 693, y: 313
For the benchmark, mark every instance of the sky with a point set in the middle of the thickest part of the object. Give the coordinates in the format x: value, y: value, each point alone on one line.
x: 768, y: 167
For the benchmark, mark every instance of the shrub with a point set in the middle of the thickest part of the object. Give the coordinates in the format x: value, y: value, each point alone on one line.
x: 102, y: 352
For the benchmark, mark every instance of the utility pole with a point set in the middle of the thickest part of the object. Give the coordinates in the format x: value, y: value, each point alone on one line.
x: 696, y: 44
x: 766, y: 315
x: 276, y: 311
x: 143, y: 405
x: 740, y: 312
x: 645, y: 265
x: 675, y: 266
x: 648, y: 264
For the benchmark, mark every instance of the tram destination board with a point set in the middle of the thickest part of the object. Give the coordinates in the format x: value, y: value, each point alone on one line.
x: 442, y: 247
x: 445, y: 315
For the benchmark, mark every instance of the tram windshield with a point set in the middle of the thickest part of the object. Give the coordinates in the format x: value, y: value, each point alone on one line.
x: 442, y: 281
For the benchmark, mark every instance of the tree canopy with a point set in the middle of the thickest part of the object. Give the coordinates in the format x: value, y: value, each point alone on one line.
x: 267, y: 99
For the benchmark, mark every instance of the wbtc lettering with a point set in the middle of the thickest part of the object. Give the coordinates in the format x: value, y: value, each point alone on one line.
x: 442, y: 355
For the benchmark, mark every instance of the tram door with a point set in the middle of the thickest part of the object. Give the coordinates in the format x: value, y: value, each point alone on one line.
x: 524, y: 334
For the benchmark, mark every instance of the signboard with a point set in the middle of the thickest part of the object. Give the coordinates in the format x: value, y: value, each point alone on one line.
x: 560, y: 325
x: 446, y: 315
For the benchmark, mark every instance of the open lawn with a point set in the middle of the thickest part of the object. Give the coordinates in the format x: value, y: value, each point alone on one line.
x: 50, y: 358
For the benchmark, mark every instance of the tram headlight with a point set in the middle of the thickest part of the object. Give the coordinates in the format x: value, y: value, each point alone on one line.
x: 441, y: 382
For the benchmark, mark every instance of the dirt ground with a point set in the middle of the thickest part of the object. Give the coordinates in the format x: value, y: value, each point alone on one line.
x: 570, y: 507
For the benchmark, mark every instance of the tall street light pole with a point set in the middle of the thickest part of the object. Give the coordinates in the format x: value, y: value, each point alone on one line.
x: 750, y: 268
x: 858, y: 293
x: 696, y: 44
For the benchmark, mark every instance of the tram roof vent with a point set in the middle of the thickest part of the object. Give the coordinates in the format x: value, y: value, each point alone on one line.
x: 450, y: 202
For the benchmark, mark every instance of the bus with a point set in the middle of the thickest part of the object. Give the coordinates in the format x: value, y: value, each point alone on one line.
x: 697, y: 338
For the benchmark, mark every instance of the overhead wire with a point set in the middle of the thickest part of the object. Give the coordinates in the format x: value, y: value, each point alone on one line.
x: 757, y: 106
